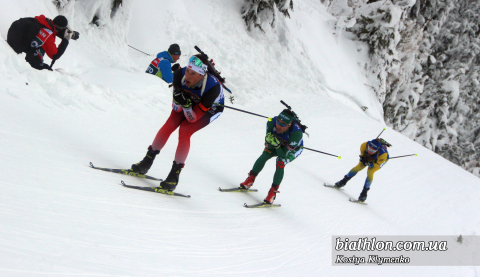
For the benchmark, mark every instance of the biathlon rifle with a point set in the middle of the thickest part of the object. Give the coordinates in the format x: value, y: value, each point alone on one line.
x: 296, y: 119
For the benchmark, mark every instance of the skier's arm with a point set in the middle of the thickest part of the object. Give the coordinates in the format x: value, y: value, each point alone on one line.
x: 177, y: 79
x: 50, y: 47
x: 166, y: 70
x: 293, y: 143
x: 381, y: 160
x: 194, y: 113
x: 363, y: 147
x: 177, y: 83
x: 61, y: 49
x: 209, y: 97
x: 270, y: 125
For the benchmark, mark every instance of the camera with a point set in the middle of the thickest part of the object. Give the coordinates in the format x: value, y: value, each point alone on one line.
x: 70, y: 34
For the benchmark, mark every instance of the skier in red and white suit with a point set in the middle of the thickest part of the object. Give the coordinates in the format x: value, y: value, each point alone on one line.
x: 197, y: 101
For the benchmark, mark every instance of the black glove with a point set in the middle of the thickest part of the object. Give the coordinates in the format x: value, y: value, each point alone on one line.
x: 363, y: 160
x: 179, y: 98
x: 75, y: 35
x: 175, y: 67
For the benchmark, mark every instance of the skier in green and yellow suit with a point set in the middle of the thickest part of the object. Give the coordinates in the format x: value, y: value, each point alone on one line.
x: 284, y: 140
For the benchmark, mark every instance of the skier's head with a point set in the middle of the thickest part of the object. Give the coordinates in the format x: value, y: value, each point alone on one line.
x: 174, y: 51
x: 286, y: 116
x: 373, y: 146
x: 196, y: 64
x: 195, y: 71
x: 60, y: 22
x: 284, y: 121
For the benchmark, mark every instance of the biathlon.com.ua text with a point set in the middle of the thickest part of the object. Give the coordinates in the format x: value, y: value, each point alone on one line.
x: 405, y: 250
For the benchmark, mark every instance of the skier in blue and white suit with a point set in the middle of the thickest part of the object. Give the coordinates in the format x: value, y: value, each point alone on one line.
x: 162, y: 65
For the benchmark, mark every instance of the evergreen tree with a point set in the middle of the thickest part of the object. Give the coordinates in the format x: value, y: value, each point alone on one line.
x: 255, y: 12
x: 452, y: 89
x: 425, y: 71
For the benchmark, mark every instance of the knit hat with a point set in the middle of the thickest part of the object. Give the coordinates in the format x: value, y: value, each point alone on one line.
x: 60, y: 22
x: 286, y: 116
x: 174, y: 49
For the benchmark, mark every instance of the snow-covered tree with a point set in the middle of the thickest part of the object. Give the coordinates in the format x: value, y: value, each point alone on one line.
x: 451, y: 93
x: 107, y: 7
x: 424, y: 68
x: 256, y: 12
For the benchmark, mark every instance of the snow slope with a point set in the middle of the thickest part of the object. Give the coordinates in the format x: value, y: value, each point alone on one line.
x: 60, y: 218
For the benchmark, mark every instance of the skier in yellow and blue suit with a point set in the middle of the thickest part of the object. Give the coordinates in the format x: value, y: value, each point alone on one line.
x: 373, y: 154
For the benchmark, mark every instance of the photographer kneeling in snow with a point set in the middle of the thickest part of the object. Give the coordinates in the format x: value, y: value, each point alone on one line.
x: 36, y: 36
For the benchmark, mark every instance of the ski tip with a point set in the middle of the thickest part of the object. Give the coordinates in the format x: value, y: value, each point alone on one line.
x: 123, y: 183
x: 331, y: 186
x: 220, y: 189
x: 356, y: 201
x: 91, y: 165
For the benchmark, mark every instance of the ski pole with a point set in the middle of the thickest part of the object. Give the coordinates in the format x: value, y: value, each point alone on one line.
x: 339, y: 157
x: 139, y: 50
x: 403, y: 156
x: 244, y: 111
x: 53, y: 61
x: 381, y: 132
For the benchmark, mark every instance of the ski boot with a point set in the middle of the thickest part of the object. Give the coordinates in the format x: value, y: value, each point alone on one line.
x: 272, y: 193
x: 342, y: 182
x: 143, y: 166
x: 363, y: 195
x: 172, y: 179
x: 248, y: 183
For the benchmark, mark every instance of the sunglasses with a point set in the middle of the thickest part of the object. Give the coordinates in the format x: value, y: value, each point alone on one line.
x: 196, y: 61
x: 370, y: 150
x: 281, y: 123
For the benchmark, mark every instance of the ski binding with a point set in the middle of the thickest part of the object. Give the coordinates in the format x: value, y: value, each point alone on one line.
x: 156, y: 189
